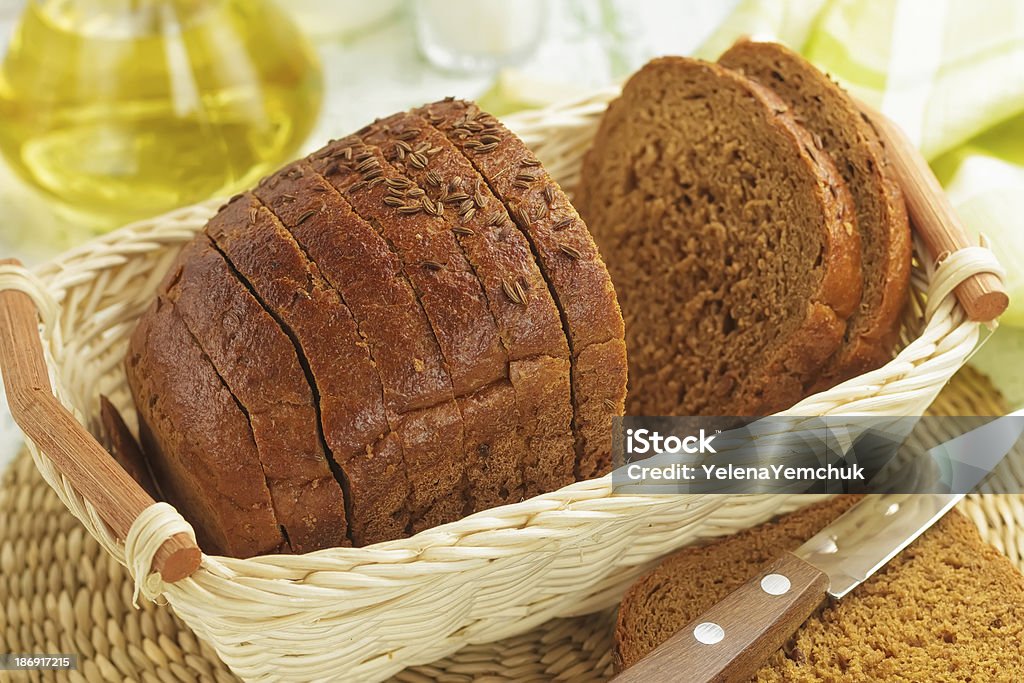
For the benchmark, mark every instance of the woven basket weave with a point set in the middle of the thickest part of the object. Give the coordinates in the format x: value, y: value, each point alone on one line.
x: 371, y: 612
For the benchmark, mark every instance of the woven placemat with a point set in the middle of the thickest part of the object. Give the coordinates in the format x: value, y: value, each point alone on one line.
x: 59, y: 592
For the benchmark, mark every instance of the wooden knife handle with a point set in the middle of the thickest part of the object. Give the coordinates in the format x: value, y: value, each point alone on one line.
x: 732, y: 640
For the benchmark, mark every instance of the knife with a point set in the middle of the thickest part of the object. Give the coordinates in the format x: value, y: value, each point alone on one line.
x: 732, y: 639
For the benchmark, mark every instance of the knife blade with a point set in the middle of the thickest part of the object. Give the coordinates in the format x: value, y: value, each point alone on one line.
x: 731, y: 640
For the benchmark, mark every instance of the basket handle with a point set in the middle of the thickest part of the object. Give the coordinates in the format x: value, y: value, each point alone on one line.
x: 982, y: 295
x: 117, y: 497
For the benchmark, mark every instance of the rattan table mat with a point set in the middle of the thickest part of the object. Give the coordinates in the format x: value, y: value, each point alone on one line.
x: 59, y: 592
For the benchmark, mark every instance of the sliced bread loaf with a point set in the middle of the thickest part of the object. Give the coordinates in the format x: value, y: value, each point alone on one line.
x: 576, y: 277
x: 389, y: 335
x: 730, y: 237
x: 838, y: 126
x: 363, y: 452
x: 529, y: 327
x: 948, y: 608
x: 186, y: 415
x: 251, y: 352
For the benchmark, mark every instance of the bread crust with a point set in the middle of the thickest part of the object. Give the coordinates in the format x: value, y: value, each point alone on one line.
x: 184, y: 420
x: 835, y: 122
x: 359, y: 264
x: 251, y: 352
x: 569, y: 260
x: 442, y: 279
x: 779, y: 377
x: 366, y: 456
x: 499, y: 255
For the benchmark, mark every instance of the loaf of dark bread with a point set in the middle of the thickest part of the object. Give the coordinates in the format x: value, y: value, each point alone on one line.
x: 837, y: 124
x: 730, y: 236
x: 948, y: 608
x: 383, y: 345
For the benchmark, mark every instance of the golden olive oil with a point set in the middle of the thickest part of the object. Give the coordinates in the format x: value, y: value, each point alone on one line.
x: 126, y: 108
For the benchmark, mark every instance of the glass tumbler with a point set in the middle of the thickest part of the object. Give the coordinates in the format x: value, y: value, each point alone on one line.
x: 478, y: 35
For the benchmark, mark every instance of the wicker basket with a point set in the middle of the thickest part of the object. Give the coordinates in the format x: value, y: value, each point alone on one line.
x: 367, y: 613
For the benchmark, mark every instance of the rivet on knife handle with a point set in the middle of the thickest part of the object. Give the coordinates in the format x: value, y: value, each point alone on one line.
x: 730, y: 641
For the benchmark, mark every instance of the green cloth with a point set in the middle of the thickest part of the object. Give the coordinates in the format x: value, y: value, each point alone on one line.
x: 950, y: 72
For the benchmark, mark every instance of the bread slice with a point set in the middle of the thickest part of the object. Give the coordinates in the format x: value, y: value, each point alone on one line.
x: 125, y: 450
x: 251, y: 353
x: 572, y: 267
x: 358, y: 263
x: 832, y: 116
x: 185, y: 418
x: 730, y: 237
x: 530, y: 329
x: 444, y: 285
x: 947, y: 608
x: 365, y: 455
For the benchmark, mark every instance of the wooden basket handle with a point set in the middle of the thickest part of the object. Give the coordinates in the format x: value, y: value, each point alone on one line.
x: 983, y: 295
x: 92, y: 471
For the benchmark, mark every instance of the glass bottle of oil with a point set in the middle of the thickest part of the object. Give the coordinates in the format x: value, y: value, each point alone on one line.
x: 122, y: 109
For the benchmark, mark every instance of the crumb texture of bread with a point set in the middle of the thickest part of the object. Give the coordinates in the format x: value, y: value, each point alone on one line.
x: 837, y: 124
x: 947, y: 608
x: 731, y: 239
x: 574, y: 272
